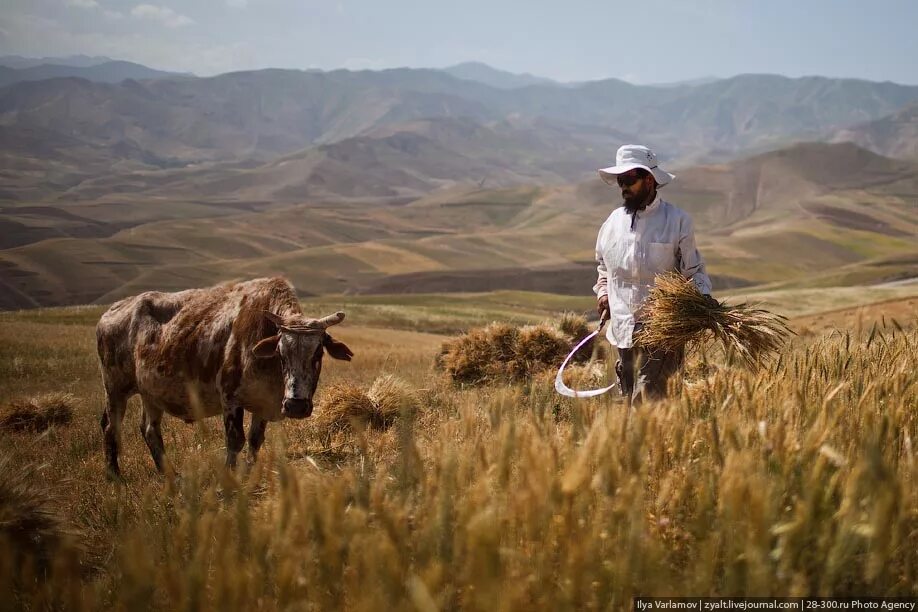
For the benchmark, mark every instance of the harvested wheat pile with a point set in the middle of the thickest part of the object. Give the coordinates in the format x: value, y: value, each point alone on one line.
x: 343, y: 404
x: 480, y: 355
x: 678, y: 314
x: 574, y: 326
x: 348, y: 407
x: 539, y: 347
x: 505, y: 353
x: 392, y: 396
x: 38, y: 413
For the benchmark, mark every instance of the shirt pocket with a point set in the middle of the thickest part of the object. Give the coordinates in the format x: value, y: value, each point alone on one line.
x: 661, y: 257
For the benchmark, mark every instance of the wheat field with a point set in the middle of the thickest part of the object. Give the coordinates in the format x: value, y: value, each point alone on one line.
x: 799, y: 478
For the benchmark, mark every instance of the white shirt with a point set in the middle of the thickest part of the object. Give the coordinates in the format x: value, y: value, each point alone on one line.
x: 630, y: 254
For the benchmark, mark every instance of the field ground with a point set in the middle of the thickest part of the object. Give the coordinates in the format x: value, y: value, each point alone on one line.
x: 798, y: 479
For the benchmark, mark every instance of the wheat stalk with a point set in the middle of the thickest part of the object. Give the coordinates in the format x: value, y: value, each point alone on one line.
x: 676, y: 314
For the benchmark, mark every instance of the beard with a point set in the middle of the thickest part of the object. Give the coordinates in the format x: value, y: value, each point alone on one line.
x: 635, y: 202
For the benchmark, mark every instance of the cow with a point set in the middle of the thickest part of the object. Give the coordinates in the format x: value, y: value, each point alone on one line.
x: 204, y: 352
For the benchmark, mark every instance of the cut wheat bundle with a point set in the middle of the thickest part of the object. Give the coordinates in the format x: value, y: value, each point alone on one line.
x: 346, y: 406
x: 500, y: 352
x: 36, y: 414
x: 676, y: 314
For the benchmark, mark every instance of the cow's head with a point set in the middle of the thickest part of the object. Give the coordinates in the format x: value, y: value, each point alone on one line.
x: 300, y: 344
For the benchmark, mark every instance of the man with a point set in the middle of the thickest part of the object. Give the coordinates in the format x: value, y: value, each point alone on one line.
x: 645, y: 237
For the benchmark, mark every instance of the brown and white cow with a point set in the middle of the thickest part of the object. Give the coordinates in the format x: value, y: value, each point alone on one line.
x: 204, y: 352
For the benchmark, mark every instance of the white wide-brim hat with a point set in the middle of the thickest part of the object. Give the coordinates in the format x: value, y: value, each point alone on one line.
x: 630, y: 157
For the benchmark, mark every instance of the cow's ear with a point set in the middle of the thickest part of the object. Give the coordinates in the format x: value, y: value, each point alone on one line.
x: 266, y: 348
x: 338, y: 350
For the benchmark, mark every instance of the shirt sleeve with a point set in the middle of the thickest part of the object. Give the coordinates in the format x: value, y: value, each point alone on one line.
x: 601, y: 287
x: 691, y: 264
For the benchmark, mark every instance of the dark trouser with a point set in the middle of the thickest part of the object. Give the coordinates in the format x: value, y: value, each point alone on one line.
x: 652, y: 369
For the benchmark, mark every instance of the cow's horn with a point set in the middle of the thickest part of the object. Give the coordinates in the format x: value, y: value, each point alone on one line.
x: 331, y: 319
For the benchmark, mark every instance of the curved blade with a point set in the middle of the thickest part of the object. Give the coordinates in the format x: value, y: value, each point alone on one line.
x: 566, y: 391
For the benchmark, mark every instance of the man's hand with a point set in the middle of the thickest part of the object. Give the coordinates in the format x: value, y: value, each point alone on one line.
x: 602, y: 306
x: 711, y: 301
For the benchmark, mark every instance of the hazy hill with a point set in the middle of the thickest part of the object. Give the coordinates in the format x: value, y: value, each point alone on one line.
x: 813, y: 214
x: 501, y: 79
x: 108, y: 72
x: 895, y: 135
x: 768, y: 186
x: 688, y: 82
x: 267, y: 113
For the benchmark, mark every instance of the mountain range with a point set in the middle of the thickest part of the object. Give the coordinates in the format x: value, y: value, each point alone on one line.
x: 77, y: 61
x: 263, y: 114
x: 466, y: 178
x: 501, y: 79
x: 107, y: 72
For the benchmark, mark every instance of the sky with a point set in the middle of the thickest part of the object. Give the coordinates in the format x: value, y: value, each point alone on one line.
x: 568, y: 40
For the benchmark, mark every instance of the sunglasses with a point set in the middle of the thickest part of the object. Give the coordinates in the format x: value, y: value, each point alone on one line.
x: 629, y: 179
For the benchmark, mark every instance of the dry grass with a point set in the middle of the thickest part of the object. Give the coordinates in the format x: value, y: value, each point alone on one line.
x: 678, y: 314
x: 506, y: 353
x: 37, y: 538
x: 798, y: 478
x: 36, y: 414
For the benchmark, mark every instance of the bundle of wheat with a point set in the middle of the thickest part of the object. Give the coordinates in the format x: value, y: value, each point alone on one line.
x: 480, y: 355
x: 573, y: 325
x: 392, y: 396
x: 349, y: 407
x: 504, y: 353
x: 343, y: 404
x: 38, y: 413
x: 539, y: 347
x: 676, y: 314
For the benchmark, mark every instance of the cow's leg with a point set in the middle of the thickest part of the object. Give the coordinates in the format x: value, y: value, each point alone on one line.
x: 152, y: 433
x: 256, y: 437
x: 115, y: 406
x: 235, y: 434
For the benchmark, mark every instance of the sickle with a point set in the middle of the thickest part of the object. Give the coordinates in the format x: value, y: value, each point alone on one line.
x: 566, y: 391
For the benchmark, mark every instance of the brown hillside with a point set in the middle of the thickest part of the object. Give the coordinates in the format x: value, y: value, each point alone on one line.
x: 809, y: 214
